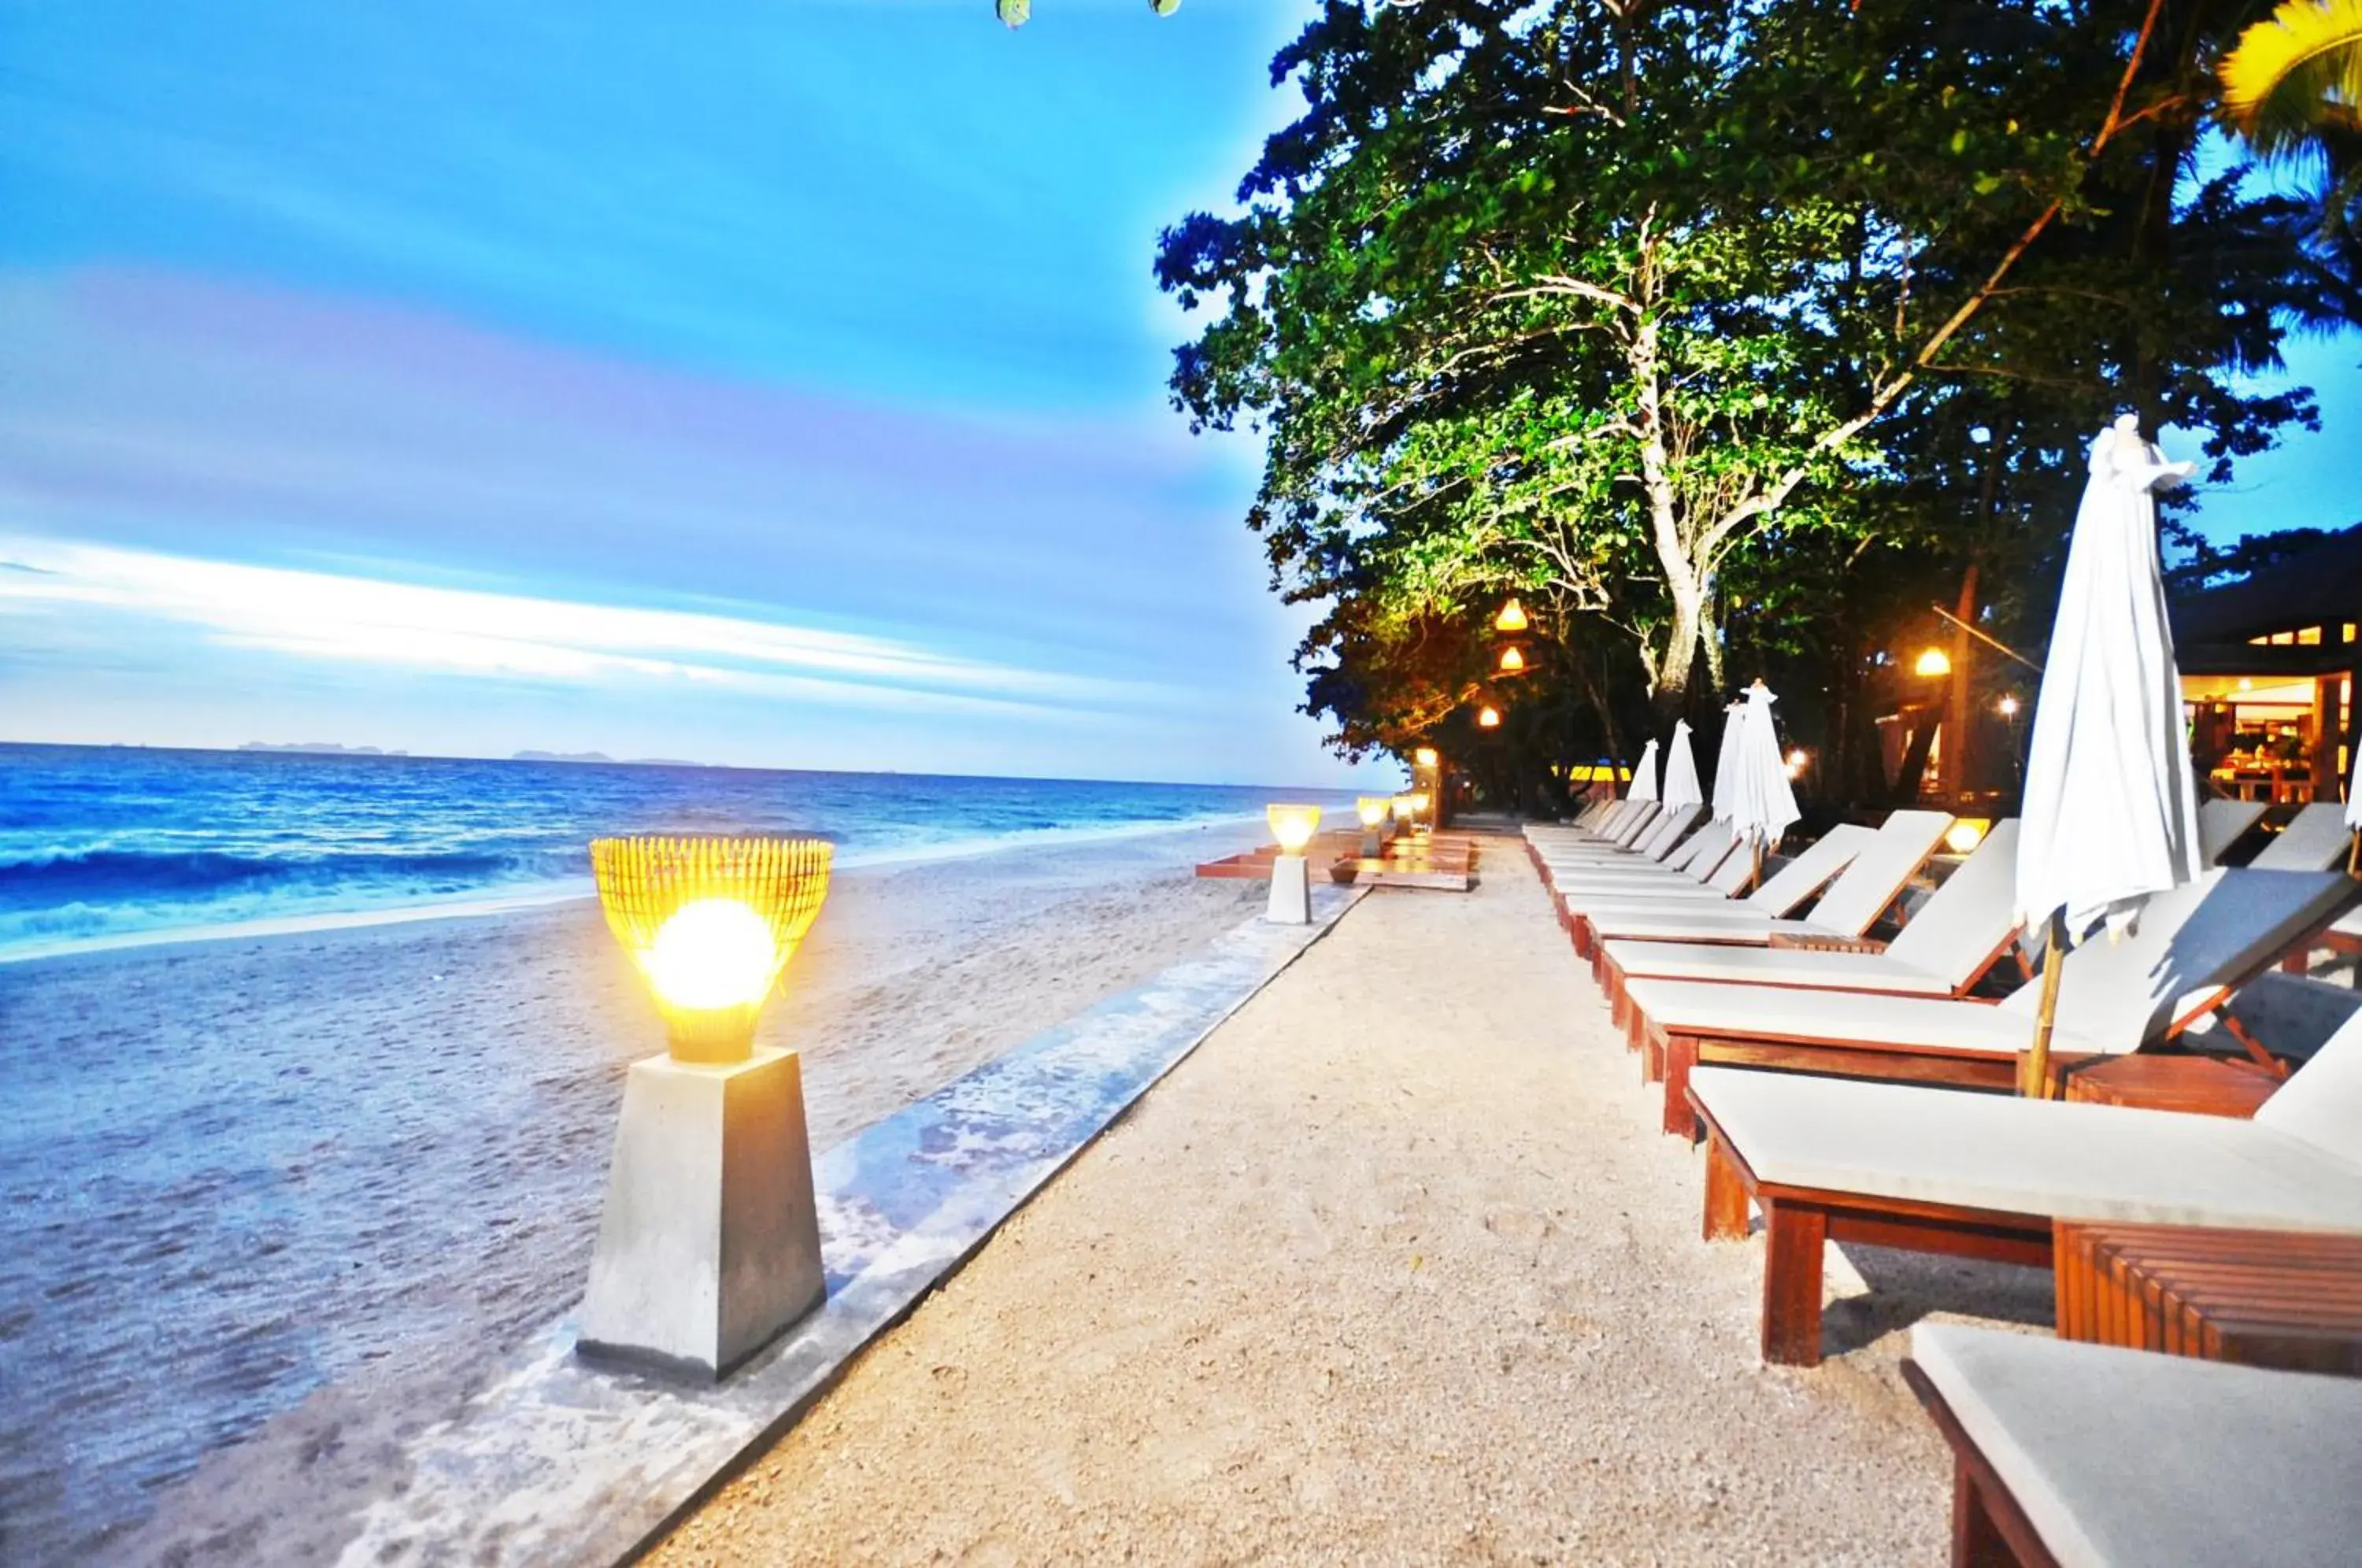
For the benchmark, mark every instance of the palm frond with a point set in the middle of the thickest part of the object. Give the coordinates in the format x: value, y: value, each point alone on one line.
x: 2294, y: 72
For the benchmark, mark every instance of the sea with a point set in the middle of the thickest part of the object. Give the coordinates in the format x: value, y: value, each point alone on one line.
x: 205, y: 1229
x: 103, y: 846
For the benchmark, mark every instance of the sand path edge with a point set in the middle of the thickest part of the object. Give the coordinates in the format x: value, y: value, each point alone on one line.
x: 557, y: 1461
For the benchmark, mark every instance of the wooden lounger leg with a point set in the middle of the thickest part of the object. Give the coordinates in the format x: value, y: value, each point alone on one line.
x: 1793, y: 1240
x: 1725, y: 1196
x: 1679, y: 1056
x: 1977, y: 1539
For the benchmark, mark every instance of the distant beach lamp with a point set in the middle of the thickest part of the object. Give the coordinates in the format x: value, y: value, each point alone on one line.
x: 1426, y: 756
x: 709, y: 1245
x: 1966, y: 834
x: 1291, y: 878
x: 1933, y: 663
x: 710, y: 922
x: 1404, y: 809
x: 1373, y: 810
x: 1798, y: 760
x: 1488, y: 718
x: 2008, y: 706
x: 1512, y: 618
x: 1512, y: 661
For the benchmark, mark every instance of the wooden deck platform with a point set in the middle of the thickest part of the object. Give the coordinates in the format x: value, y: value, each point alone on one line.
x: 1444, y: 861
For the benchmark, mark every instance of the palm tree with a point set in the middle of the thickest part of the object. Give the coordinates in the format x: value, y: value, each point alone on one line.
x: 2295, y: 75
x: 2292, y: 91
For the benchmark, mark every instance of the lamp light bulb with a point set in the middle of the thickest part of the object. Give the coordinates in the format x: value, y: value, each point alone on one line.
x: 1965, y: 834
x: 1933, y: 662
x: 1293, y: 826
x: 1488, y: 718
x: 712, y: 953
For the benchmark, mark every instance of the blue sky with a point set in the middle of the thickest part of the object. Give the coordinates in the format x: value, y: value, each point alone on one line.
x: 359, y: 356
x: 362, y: 365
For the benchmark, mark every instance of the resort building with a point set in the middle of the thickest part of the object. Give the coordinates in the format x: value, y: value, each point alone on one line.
x: 2267, y: 668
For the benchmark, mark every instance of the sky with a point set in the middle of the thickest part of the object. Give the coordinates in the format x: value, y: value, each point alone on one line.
x: 774, y: 383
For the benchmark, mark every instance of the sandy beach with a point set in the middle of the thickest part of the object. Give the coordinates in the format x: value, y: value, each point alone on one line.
x: 362, y: 1163
x: 1394, y: 1268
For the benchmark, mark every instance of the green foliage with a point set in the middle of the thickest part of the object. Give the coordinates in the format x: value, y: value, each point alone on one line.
x: 1728, y: 329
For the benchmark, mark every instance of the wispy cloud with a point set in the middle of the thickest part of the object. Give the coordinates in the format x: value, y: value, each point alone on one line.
x: 513, y: 636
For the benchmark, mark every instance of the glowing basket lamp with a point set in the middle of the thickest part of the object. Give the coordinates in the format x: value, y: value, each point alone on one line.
x: 1375, y: 811
x: 710, y: 922
x: 710, y: 1242
x: 1512, y: 619
x: 1291, y: 879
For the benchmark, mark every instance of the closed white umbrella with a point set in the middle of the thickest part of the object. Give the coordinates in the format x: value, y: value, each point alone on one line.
x: 1681, y: 788
x: 1725, y: 762
x: 1766, y: 806
x: 1644, y: 777
x: 2110, y: 812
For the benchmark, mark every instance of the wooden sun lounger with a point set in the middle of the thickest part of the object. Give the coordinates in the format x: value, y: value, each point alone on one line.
x: 2080, y: 1455
x: 1844, y: 913
x: 2195, y: 944
x: 2221, y: 823
x: 1944, y: 949
x: 1781, y: 893
x: 1977, y: 1176
x: 2317, y: 839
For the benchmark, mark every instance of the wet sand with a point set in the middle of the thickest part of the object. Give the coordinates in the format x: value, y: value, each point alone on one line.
x: 273, y: 1203
x: 1394, y: 1268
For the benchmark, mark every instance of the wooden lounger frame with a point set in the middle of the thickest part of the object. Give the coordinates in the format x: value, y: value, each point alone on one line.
x: 1799, y: 1222
x: 1670, y: 1054
x: 1990, y: 1530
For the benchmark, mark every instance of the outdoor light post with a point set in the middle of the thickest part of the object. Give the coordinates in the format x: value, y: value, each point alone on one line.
x: 1291, y: 875
x: 709, y: 1245
x: 1375, y: 811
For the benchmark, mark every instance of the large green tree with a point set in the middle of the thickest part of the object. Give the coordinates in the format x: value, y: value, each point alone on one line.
x: 1637, y: 306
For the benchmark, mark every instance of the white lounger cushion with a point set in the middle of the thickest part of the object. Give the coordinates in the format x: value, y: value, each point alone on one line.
x: 2054, y: 1158
x: 2315, y: 840
x: 1718, y: 1010
x: 2122, y: 1457
x: 2221, y: 823
x: 1781, y: 892
x: 1944, y: 947
x: 1790, y: 966
x: 1853, y: 901
x: 2192, y: 942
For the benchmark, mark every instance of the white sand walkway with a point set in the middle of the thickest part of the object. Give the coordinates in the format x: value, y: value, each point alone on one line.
x: 1396, y: 1268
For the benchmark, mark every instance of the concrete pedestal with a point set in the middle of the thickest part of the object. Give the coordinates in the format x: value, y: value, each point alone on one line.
x: 710, y: 1243
x: 1291, y: 892
x: 1374, y: 843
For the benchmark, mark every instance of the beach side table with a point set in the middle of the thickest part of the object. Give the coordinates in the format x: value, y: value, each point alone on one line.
x: 2275, y: 1298
x: 2204, y: 1086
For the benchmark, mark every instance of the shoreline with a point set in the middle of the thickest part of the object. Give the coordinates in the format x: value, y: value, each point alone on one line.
x: 291, y: 1198
x: 529, y: 896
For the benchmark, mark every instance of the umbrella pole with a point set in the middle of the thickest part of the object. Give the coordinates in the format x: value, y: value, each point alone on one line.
x: 2038, y: 1060
x: 2353, y: 856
